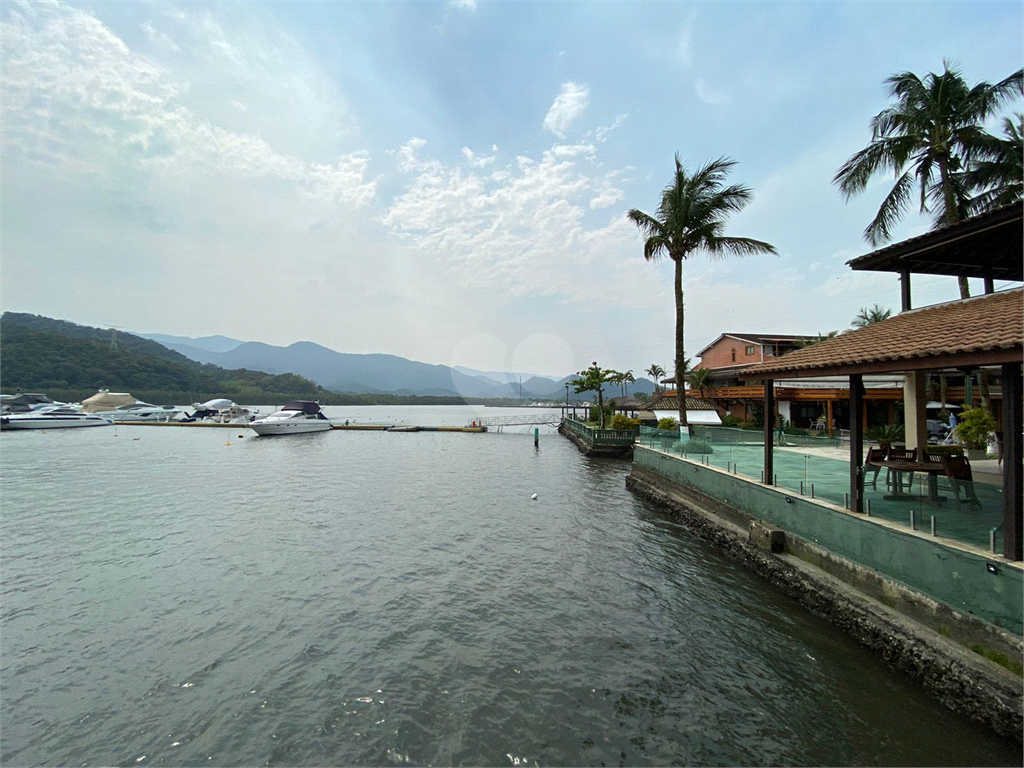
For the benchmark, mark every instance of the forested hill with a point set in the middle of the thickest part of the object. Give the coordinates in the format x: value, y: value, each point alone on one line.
x: 71, y: 362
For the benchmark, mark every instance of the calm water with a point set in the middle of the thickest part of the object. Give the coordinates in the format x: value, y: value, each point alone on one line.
x: 361, y: 598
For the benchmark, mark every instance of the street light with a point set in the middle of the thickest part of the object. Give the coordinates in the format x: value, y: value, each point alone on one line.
x: 567, y: 399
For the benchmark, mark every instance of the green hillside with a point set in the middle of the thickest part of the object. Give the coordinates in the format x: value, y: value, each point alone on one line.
x: 71, y: 362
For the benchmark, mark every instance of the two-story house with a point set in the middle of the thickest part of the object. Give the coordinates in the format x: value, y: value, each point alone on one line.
x: 802, y: 402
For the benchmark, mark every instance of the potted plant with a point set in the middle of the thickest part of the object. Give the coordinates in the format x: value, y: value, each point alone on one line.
x: 886, y: 435
x: 974, y: 431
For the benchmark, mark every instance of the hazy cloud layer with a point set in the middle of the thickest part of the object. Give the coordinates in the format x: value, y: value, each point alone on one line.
x: 389, y: 172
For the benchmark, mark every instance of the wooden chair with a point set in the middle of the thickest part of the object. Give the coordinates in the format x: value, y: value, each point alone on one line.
x: 935, y: 457
x: 961, y: 479
x: 900, y: 454
x: 870, y: 468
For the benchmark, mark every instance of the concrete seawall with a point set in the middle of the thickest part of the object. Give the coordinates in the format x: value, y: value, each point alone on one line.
x: 841, y: 592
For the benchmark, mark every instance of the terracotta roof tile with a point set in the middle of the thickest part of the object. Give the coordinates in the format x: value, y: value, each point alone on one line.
x: 978, y: 325
x: 664, y: 402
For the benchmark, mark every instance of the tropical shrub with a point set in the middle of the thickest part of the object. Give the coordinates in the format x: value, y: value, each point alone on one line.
x: 622, y: 421
x: 732, y: 421
x: 668, y: 423
x: 698, y: 446
x: 975, y: 427
x: 887, y: 434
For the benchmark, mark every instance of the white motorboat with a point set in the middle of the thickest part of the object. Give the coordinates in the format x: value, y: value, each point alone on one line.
x: 221, y: 411
x: 26, y: 402
x: 57, y: 417
x: 143, y: 412
x: 294, y: 418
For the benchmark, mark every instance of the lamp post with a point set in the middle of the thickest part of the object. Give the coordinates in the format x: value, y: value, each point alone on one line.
x: 567, y: 400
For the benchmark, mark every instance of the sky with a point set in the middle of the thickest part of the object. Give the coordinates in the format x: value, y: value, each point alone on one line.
x: 449, y: 181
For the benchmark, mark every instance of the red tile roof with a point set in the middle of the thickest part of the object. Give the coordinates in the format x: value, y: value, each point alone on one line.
x: 986, y: 330
x: 665, y: 402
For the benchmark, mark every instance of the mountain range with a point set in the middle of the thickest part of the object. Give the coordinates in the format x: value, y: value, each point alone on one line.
x: 369, y: 373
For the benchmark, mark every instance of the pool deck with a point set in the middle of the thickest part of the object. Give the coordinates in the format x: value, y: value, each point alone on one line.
x: 822, y: 472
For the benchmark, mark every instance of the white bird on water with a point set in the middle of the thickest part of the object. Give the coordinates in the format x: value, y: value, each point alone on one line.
x: 534, y: 497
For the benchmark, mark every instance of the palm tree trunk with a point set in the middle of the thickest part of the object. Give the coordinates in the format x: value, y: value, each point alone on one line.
x: 680, y: 354
x: 952, y: 216
x: 986, y: 397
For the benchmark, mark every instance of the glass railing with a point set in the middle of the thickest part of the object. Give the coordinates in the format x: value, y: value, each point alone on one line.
x: 820, y: 469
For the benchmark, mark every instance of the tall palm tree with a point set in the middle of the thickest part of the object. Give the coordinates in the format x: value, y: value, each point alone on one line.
x: 998, y: 172
x: 615, y: 377
x: 627, y: 379
x: 926, y: 138
x: 870, y: 315
x: 691, y: 218
x: 655, y: 372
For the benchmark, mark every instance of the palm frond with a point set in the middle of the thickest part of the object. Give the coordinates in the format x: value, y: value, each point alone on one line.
x: 883, y: 154
x: 721, y: 247
x: 890, y: 212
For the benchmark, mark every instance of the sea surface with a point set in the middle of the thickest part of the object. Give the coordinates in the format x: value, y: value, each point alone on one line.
x: 207, y: 597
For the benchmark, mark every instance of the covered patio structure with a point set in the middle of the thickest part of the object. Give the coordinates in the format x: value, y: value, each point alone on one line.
x: 983, y: 331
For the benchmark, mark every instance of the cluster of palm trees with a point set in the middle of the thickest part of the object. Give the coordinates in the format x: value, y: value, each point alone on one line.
x: 934, y: 141
x: 932, y: 138
x: 594, y: 378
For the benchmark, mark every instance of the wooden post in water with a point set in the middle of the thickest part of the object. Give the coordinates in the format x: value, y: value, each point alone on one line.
x: 536, y: 437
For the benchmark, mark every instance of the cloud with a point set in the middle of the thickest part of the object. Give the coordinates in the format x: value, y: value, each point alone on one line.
x: 707, y: 95
x: 78, y: 100
x: 477, y: 161
x: 608, y: 197
x: 521, y: 230
x: 568, y: 105
x: 685, y: 47
x: 601, y: 132
x: 160, y: 38
x: 463, y: 5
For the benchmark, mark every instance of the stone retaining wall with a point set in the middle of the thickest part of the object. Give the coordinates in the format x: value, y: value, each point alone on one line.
x: 594, y: 448
x: 962, y: 680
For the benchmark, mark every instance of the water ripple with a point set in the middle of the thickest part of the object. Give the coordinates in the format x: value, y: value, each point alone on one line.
x: 382, y: 599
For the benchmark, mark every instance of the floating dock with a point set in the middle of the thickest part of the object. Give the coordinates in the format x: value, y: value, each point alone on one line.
x: 359, y: 427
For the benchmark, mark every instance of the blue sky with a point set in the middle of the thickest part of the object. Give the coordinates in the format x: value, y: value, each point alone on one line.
x: 449, y: 181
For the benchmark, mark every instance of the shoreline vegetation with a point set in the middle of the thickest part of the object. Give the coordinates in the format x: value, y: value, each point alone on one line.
x: 182, y: 398
x: 70, y: 362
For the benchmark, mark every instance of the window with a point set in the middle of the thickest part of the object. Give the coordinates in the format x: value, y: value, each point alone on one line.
x: 750, y: 350
x: 734, y: 355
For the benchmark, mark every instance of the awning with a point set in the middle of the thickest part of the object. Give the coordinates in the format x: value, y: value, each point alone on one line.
x: 703, y: 418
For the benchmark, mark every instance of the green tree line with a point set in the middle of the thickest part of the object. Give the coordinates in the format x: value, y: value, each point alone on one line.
x: 72, y: 362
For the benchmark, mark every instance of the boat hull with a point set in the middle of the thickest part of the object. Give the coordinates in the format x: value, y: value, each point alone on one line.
x: 289, y: 427
x: 39, y: 422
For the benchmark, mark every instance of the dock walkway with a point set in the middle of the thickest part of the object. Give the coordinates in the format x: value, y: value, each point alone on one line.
x: 358, y: 427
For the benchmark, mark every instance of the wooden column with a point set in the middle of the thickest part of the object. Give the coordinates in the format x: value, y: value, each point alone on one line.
x: 856, y: 444
x: 1013, y: 468
x: 905, y: 290
x: 828, y: 417
x: 769, y: 432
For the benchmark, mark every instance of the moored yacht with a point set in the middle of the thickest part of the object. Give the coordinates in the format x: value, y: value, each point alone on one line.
x: 56, y: 417
x: 295, y: 417
x: 221, y: 411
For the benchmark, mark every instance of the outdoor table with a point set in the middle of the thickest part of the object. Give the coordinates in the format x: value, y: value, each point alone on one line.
x: 932, y: 469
